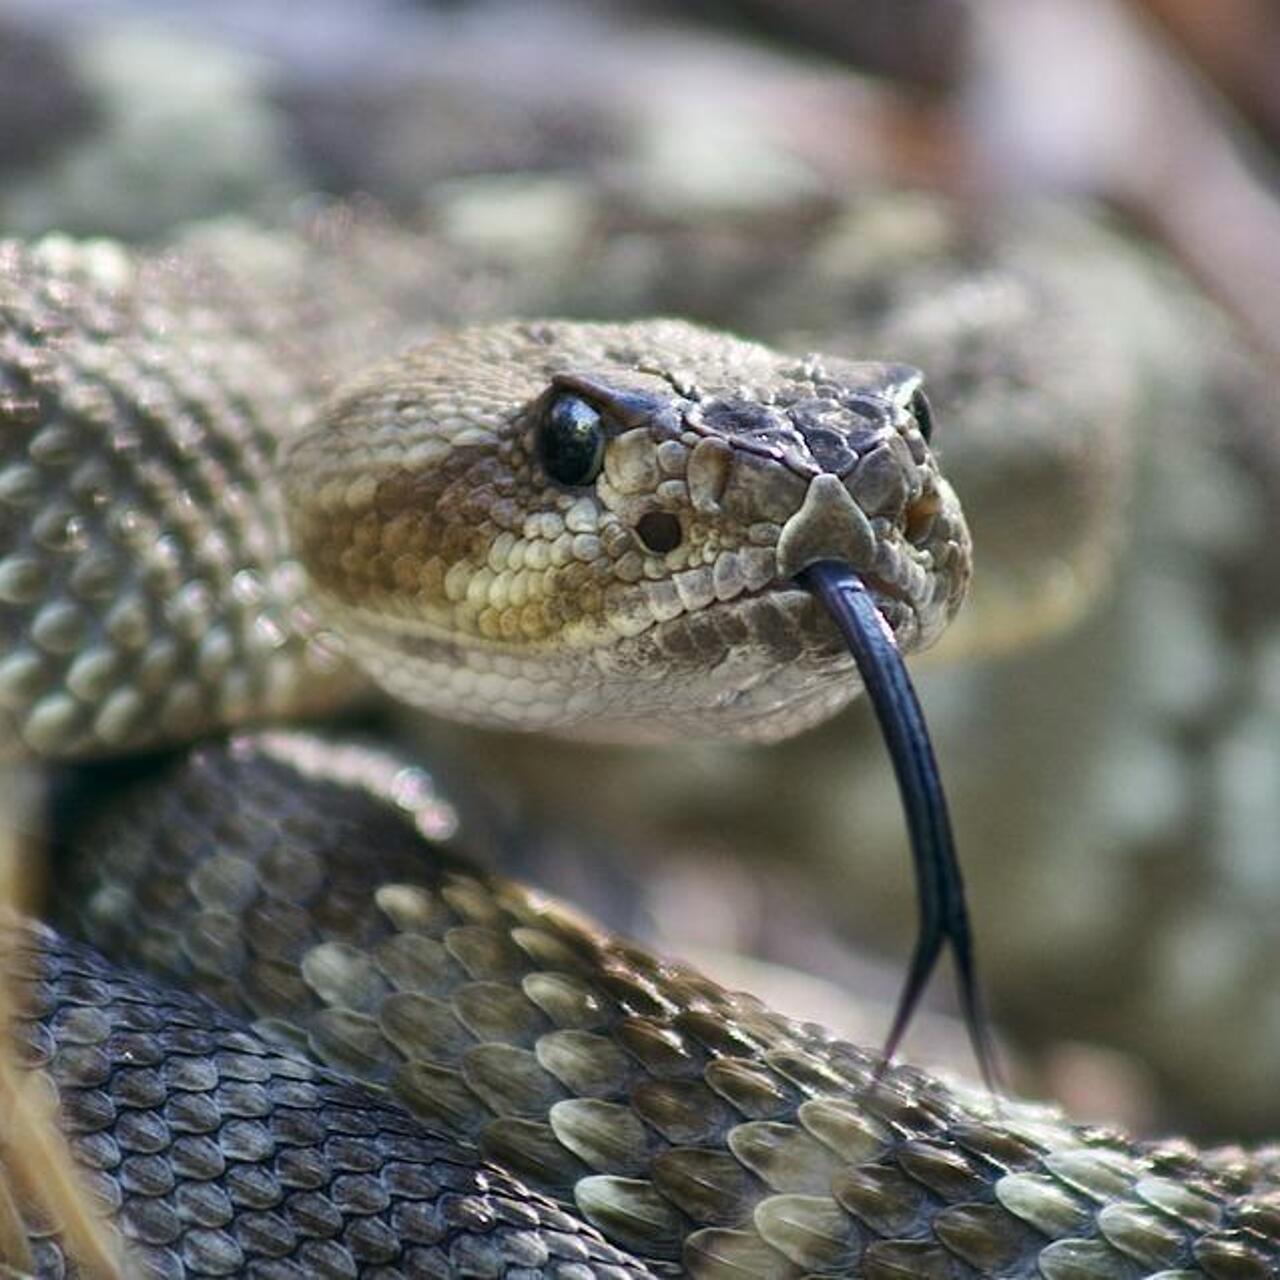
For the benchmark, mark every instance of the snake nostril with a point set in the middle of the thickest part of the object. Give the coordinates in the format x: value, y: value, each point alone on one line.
x: 659, y: 531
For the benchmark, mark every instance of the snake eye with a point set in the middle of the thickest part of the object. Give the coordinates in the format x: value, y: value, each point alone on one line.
x: 923, y: 413
x: 571, y: 441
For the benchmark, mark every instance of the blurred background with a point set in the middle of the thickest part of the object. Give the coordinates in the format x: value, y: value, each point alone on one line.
x: 1066, y: 212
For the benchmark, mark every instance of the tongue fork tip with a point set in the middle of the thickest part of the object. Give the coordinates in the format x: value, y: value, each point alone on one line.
x: 944, y: 918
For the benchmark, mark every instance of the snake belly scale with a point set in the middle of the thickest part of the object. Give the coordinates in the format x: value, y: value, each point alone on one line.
x: 163, y: 574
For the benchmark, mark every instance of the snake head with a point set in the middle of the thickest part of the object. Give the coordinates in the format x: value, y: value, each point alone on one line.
x: 596, y: 528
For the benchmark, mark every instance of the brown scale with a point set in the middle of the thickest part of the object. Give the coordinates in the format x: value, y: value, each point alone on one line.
x: 176, y: 519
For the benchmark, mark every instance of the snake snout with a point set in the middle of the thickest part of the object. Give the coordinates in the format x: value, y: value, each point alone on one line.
x: 828, y: 526
x: 855, y: 435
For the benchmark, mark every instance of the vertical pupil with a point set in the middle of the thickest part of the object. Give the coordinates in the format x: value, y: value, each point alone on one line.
x: 571, y: 441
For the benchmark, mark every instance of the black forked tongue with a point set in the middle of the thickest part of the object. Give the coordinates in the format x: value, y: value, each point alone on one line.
x: 944, y: 916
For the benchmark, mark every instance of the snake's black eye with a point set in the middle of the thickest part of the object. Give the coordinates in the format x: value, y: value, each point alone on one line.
x: 923, y: 413
x: 571, y: 440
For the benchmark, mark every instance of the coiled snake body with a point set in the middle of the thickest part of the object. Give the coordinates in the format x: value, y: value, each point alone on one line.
x: 583, y: 527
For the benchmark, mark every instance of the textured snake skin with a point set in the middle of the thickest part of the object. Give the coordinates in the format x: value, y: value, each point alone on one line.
x: 331, y: 903
x: 215, y: 1154
x: 151, y: 620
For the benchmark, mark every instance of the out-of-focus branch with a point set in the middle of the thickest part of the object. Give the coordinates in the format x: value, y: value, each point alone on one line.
x: 1075, y: 95
x: 919, y: 42
x: 37, y: 1170
x: 1236, y: 43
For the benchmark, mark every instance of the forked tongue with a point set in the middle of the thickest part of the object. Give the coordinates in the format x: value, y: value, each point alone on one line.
x: 944, y: 915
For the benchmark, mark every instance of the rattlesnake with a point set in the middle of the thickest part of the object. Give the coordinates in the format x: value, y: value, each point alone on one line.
x: 685, y: 1123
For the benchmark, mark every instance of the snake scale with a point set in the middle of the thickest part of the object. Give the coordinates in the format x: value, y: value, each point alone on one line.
x: 320, y: 891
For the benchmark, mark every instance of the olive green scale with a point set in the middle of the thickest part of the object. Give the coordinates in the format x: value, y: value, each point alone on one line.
x: 693, y: 1127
